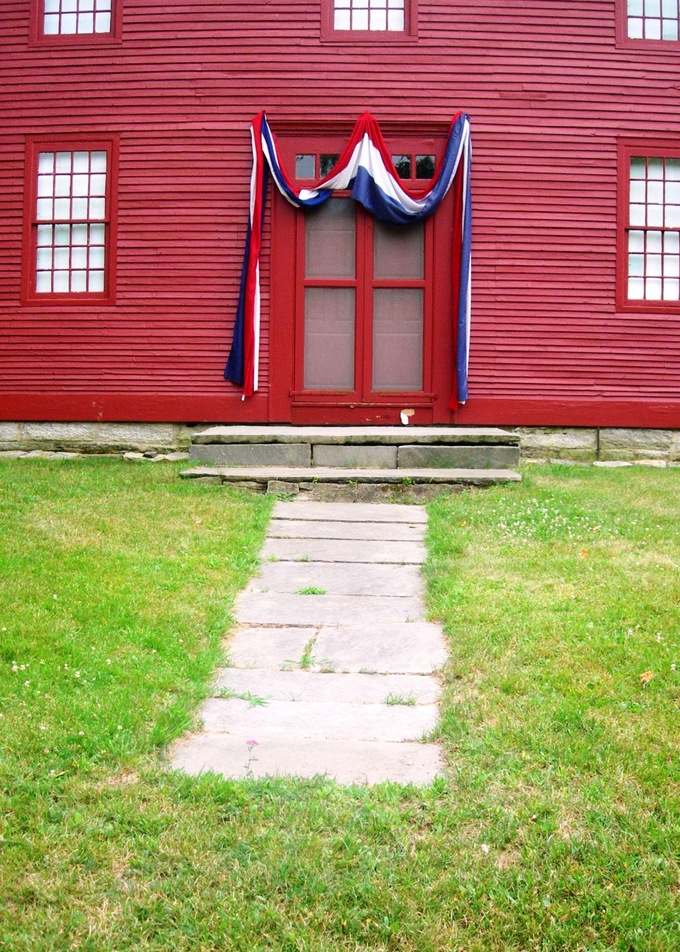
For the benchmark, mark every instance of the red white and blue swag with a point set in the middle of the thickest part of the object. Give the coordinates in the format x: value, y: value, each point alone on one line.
x: 365, y: 168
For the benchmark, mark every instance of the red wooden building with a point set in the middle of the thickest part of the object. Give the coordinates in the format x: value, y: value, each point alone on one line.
x: 124, y: 187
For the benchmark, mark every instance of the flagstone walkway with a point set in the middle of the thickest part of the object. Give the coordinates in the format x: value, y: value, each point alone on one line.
x: 332, y: 664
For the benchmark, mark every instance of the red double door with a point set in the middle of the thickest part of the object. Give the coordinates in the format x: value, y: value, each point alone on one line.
x: 361, y: 320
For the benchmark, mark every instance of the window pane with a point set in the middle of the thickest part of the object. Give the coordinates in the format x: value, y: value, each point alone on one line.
x: 638, y: 168
x: 329, y: 339
x: 96, y: 282
x: 102, y: 23
x: 43, y: 282
x: 305, y: 166
x: 326, y: 163
x: 398, y: 252
x: 671, y: 289
x: 402, y: 164
x: 636, y: 289
x: 330, y: 240
x: 397, y: 339
x: 636, y: 241
x: 653, y: 289
x: 424, y: 166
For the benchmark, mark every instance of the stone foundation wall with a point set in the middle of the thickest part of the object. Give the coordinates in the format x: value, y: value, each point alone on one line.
x: 583, y: 444
x: 604, y: 444
x: 95, y: 438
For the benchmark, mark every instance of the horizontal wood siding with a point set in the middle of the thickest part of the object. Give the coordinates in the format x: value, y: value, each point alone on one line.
x: 549, y: 93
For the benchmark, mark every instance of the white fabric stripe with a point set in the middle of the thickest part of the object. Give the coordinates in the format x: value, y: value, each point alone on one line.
x: 366, y: 155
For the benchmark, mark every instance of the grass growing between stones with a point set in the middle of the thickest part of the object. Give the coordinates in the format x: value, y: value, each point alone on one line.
x: 555, y: 830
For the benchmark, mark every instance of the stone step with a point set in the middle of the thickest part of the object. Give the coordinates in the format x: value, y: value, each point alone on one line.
x: 371, y: 447
x: 357, y: 435
x: 351, y: 485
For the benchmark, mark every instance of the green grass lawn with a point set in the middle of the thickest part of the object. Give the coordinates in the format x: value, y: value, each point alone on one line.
x: 557, y: 828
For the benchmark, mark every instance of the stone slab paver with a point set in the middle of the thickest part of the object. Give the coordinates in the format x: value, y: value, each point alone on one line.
x: 354, y: 434
x: 332, y: 720
x: 343, y: 550
x: 311, y: 529
x: 254, y: 608
x: 338, y: 683
x: 358, y: 689
x: 356, y: 512
x: 338, y: 578
x: 347, y: 762
x: 399, y: 647
x: 274, y: 647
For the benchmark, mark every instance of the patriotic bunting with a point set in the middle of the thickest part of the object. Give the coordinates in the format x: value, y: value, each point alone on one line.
x: 366, y: 170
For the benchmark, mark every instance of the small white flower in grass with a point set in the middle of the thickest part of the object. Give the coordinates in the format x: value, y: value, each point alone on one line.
x: 81, y: 733
x: 485, y: 848
x: 43, y: 727
x: 26, y: 683
x: 108, y: 661
x: 54, y: 597
x: 76, y: 674
x: 120, y: 727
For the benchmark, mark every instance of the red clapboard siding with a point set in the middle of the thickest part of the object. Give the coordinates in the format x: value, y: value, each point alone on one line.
x: 549, y: 93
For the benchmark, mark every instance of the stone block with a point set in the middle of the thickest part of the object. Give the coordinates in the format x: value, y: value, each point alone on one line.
x: 10, y: 436
x: 53, y: 436
x: 458, y: 457
x: 674, y: 452
x: 253, y: 454
x: 133, y: 436
x: 558, y: 442
x: 626, y: 444
x: 355, y: 457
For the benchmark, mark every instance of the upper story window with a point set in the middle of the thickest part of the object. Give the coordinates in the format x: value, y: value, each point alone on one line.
x: 369, y: 15
x: 76, y: 21
x: 368, y: 20
x: 650, y: 227
x: 69, y: 222
x: 645, y: 21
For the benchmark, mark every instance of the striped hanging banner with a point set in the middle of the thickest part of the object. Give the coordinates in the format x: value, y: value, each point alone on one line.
x: 366, y: 170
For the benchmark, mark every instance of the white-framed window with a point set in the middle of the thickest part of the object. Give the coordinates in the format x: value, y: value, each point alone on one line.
x: 653, y: 19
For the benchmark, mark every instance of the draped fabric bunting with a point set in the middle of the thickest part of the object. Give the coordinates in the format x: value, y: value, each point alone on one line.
x: 365, y: 169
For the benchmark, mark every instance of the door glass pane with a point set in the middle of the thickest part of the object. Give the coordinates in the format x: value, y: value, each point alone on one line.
x: 397, y: 339
x: 398, y: 252
x: 330, y: 240
x: 329, y: 338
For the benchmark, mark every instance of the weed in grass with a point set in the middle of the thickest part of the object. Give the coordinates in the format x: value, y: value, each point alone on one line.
x: 400, y: 699
x: 254, y: 700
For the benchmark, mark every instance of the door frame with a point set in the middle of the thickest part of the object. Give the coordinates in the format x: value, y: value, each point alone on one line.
x: 288, y: 403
